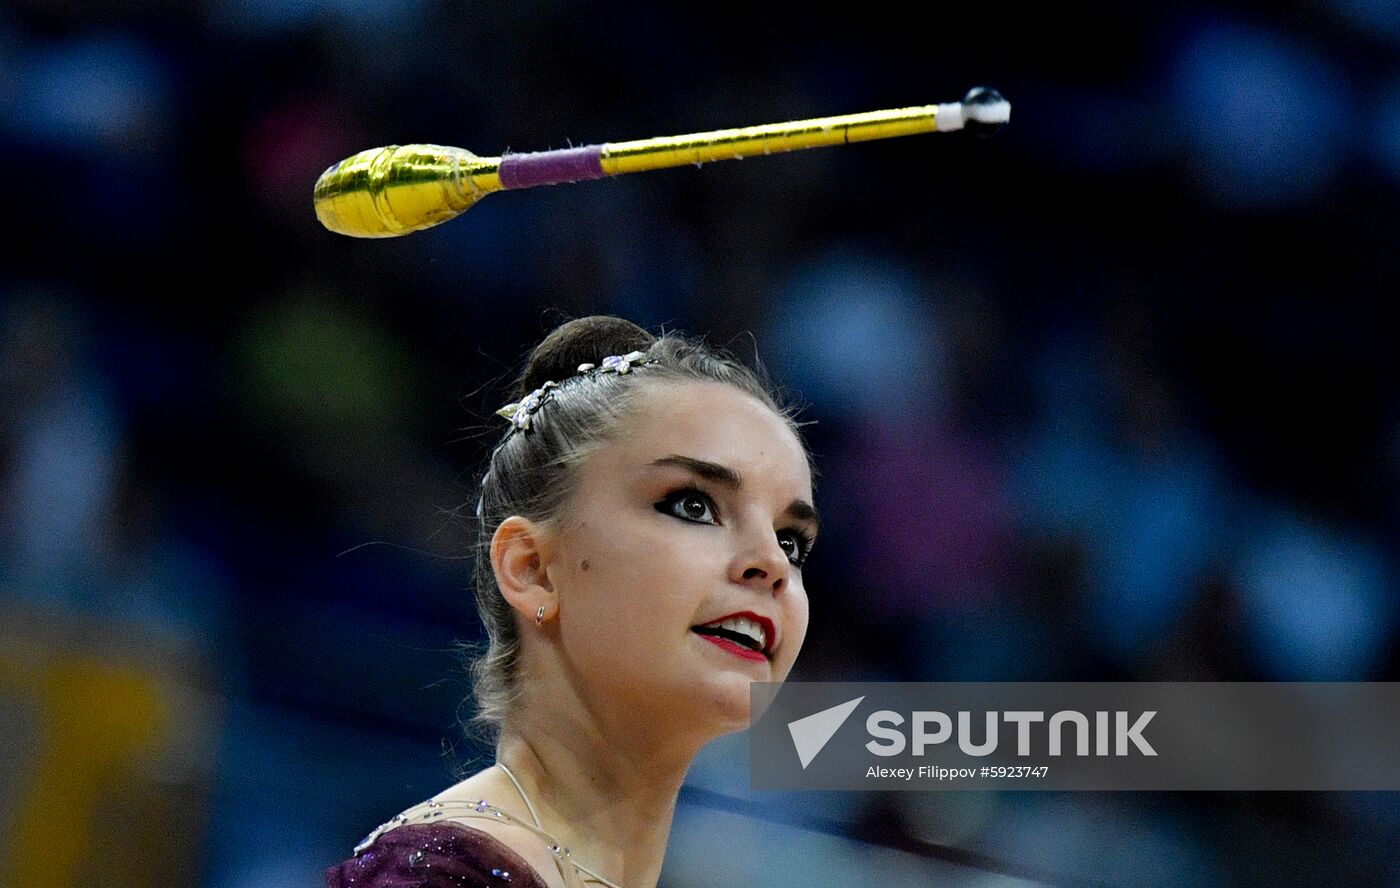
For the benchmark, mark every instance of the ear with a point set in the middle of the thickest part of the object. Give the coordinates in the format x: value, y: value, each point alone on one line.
x: 520, y: 556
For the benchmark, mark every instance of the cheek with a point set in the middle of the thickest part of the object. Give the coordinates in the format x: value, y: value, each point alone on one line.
x: 637, y: 576
x: 797, y: 615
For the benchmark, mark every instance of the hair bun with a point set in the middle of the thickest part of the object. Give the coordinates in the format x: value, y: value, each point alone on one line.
x: 580, y: 341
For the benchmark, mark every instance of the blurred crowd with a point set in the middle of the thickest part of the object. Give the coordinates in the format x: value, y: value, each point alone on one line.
x: 1109, y: 396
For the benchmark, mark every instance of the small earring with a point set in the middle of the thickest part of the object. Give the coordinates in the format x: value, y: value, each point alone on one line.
x: 539, y: 615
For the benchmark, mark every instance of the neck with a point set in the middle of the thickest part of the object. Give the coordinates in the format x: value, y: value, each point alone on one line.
x: 607, y: 794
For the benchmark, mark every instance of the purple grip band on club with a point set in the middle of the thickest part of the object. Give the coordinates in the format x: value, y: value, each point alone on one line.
x: 552, y: 167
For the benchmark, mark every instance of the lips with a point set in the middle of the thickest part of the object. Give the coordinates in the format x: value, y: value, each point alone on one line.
x: 709, y: 630
x: 736, y: 648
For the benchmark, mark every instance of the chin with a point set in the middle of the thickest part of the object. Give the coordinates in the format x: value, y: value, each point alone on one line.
x: 728, y: 704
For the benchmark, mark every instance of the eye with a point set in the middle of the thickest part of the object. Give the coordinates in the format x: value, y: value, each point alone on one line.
x: 690, y: 505
x: 797, y: 545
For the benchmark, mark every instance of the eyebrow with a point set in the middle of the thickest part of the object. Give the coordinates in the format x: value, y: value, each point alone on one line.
x: 727, y: 477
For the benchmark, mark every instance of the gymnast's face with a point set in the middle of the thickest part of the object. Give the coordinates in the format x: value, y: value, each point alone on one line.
x: 699, y: 510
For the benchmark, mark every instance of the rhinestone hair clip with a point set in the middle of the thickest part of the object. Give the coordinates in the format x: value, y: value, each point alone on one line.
x: 521, y: 412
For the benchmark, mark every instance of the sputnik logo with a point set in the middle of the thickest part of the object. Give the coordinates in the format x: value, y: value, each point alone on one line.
x: 812, y: 732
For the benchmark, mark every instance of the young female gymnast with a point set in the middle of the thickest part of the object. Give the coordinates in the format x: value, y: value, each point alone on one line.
x: 643, y: 527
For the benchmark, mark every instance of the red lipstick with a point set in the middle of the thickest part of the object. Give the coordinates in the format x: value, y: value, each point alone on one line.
x: 735, y: 648
x: 770, y: 634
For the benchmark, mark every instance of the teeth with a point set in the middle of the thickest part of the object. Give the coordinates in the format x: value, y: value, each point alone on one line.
x: 744, y: 626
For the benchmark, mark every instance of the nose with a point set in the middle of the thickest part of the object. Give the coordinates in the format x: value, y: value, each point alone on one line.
x: 763, y: 565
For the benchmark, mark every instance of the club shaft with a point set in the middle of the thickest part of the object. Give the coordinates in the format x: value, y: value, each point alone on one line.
x: 733, y: 144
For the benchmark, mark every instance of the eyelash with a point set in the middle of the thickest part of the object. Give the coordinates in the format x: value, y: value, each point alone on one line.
x: 802, y: 538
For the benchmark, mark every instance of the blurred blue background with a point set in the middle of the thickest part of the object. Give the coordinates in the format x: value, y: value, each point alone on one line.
x: 1111, y: 396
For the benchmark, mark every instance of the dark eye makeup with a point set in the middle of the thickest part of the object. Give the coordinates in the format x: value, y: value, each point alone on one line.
x: 691, y: 505
x: 694, y: 505
x: 802, y: 542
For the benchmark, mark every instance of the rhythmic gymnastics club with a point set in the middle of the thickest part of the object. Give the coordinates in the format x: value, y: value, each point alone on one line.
x: 386, y: 192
